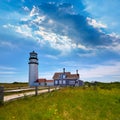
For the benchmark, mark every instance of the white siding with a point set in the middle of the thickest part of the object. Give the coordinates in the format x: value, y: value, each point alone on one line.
x: 72, y: 82
x: 33, y: 74
x: 50, y: 83
x: 60, y: 82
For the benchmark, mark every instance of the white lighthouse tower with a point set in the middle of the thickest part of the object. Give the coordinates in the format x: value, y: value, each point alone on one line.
x: 33, y: 68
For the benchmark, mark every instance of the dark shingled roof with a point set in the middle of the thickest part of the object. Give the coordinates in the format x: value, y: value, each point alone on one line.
x: 68, y: 75
x: 41, y: 80
x: 49, y: 81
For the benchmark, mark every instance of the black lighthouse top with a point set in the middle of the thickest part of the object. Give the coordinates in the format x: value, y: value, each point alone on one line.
x: 33, y: 58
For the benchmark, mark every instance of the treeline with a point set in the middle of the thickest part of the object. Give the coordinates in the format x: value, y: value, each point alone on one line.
x: 103, y: 85
x: 14, y: 85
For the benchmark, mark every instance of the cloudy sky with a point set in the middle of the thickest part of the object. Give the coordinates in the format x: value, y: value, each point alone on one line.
x: 71, y: 34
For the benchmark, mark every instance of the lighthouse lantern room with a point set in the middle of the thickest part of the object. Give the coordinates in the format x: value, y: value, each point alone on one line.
x: 33, y: 68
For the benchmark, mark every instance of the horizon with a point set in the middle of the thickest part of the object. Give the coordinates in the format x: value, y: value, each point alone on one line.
x: 65, y: 34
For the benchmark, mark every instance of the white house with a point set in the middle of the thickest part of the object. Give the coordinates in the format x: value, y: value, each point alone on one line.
x: 67, y: 79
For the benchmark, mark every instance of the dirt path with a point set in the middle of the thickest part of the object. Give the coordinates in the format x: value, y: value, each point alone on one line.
x: 20, y: 95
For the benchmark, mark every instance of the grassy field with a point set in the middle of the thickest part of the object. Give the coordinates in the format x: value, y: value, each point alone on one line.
x: 66, y: 104
x: 14, y: 85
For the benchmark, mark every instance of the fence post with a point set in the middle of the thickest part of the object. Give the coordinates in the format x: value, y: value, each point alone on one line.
x: 1, y: 94
x: 49, y: 89
x: 36, y: 90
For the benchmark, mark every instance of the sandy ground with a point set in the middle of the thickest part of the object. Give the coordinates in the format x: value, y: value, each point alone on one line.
x: 20, y: 95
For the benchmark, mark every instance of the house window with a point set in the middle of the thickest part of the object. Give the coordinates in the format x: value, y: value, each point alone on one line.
x: 56, y: 82
x: 60, y: 76
x: 64, y: 81
x: 71, y: 82
x: 60, y: 82
x: 64, y: 76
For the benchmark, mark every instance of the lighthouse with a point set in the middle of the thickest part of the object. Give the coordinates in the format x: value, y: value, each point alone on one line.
x: 33, y: 68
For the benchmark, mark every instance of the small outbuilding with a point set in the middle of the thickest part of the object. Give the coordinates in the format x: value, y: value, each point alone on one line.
x: 44, y: 82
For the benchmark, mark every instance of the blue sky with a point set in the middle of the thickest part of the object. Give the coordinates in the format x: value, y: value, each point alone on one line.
x: 71, y: 34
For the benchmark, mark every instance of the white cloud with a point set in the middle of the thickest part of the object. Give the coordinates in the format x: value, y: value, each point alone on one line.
x: 60, y: 42
x: 51, y: 56
x: 7, y: 68
x: 100, y: 71
x: 24, y: 19
x: 114, y: 35
x: 4, y: 70
x: 34, y: 11
x: 114, y: 46
x: 52, y: 3
x: 45, y: 29
x: 7, y: 72
x: 87, y: 54
x: 22, y: 29
x: 7, y: 26
x: 67, y: 9
x: 39, y: 19
x: 56, y: 41
x: 25, y: 8
x: 83, y: 47
x: 53, y: 32
x: 48, y: 75
x: 50, y: 21
x: 7, y: 44
x: 95, y: 24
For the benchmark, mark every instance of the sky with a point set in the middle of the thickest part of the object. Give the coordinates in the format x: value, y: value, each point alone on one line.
x: 81, y: 35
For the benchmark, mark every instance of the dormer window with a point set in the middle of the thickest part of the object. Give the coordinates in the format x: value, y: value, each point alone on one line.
x: 62, y: 76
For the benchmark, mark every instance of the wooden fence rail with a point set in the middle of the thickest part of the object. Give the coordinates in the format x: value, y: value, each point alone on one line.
x: 22, y: 93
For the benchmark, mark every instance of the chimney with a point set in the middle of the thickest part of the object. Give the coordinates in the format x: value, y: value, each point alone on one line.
x: 77, y: 73
x: 63, y: 70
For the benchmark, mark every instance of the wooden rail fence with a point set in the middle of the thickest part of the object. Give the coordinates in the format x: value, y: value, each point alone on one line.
x: 19, y: 93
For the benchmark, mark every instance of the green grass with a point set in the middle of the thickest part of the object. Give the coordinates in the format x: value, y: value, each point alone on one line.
x: 66, y: 104
x: 14, y: 85
x: 104, y: 85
